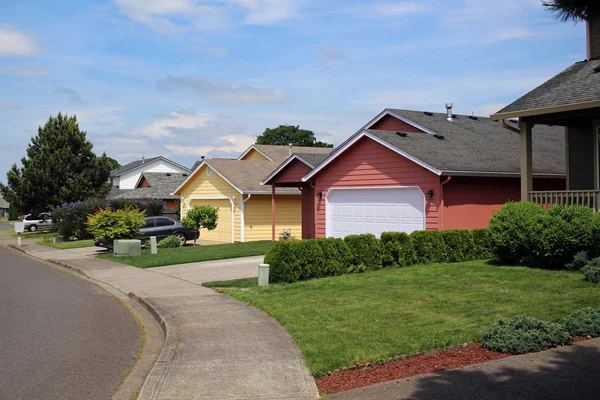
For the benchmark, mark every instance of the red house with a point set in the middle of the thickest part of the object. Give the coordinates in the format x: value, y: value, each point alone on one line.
x: 413, y: 170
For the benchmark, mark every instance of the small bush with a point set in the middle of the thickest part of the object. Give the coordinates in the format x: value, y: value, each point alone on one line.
x: 70, y: 219
x: 398, y: 249
x: 459, y: 245
x: 170, y: 242
x: 515, y: 230
x: 482, y: 245
x: 337, y: 256
x: 429, y: 247
x: 523, y: 334
x: 154, y: 207
x: 579, y: 261
x: 120, y: 224
x: 584, y: 322
x: 591, y: 271
x: 366, y: 250
x: 295, y: 260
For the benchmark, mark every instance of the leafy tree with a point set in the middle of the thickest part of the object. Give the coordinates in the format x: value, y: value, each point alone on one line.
x: 201, y: 217
x: 574, y: 10
x: 60, y: 167
x: 283, y: 135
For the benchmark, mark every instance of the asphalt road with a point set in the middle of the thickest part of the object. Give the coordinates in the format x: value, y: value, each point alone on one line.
x: 60, y: 336
x: 5, y: 225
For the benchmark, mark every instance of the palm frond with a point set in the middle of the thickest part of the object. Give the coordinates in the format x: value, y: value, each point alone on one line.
x: 574, y: 10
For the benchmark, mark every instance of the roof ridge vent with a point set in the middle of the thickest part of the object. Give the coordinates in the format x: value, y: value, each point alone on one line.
x: 428, y: 113
x: 168, y: 174
x: 438, y: 136
x: 402, y: 134
x: 474, y: 118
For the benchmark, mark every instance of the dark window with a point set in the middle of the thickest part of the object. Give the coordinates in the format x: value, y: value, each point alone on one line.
x: 164, y: 222
x: 33, y: 217
x: 148, y: 224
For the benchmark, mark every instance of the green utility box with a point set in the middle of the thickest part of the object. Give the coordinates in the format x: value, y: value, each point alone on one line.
x: 129, y: 247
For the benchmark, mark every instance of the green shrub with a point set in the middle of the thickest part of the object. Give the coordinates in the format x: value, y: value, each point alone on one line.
x: 429, y: 247
x: 584, y: 322
x: 366, y: 250
x: 295, y: 260
x: 566, y: 231
x: 515, y: 230
x: 591, y: 271
x: 482, y: 245
x: 459, y: 245
x: 398, y: 249
x: 523, y: 334
x: 13, y: 213
x: 120, y: 224
x: 170, y: 242
x: 579, y: 261
x: 337, y: 256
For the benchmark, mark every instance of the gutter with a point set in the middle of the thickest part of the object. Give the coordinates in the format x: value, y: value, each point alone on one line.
x: 510, y: 128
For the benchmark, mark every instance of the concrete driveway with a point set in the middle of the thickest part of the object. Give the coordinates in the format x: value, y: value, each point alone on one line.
x: 219, y: 270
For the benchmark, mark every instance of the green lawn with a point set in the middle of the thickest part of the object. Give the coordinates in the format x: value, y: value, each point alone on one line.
x: 354, y: 319
x: 189, y: 254
x: 75, y: 244
x: 235, y: 283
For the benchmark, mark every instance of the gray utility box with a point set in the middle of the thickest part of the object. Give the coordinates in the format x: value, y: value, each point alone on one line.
x: 130, y: 247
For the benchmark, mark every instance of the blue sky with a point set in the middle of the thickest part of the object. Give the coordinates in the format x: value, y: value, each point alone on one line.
x: 186, y: 78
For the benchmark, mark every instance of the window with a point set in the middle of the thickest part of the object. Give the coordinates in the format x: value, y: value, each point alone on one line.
x: 148, y: 224
x: 164, y: 222
x: 208, y: 171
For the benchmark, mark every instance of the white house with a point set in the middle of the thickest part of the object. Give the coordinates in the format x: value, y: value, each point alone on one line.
x: 128, y: 175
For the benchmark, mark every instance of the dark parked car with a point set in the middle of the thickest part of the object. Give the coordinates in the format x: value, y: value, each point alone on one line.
x: 161, y: 227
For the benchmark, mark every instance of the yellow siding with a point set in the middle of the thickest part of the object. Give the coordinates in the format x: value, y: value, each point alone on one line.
x: 254, y: 155
x: 212, y: 186
x: 288, y: 215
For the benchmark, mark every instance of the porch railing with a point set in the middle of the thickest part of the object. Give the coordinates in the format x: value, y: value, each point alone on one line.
x: 589, y: 198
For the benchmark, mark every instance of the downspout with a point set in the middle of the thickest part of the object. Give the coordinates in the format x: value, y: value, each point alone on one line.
x: 312, y: 185
x: 443, y: 203
x: 243, y: 219
x: 510, y: 128
x: 232, y: 201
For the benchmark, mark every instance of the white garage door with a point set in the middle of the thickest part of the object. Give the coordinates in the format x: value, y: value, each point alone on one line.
x: 355, y: 211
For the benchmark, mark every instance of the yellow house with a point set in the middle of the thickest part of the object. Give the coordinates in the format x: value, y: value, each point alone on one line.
x: 244, y: 204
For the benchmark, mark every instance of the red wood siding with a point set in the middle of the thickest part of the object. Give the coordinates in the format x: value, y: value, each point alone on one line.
x: 292, y: 173
x: 171, y: 203
x: 389, y: 123
x: 308, y: 212
x: 368, y: 163
x: 469, y: 202
x: 143, y: 182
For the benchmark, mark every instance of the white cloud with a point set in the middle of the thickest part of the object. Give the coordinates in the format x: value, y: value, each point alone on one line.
x: 16, y: 43
x: 221, y: 91
x: 266, y: 12
x: 385, y: 9
x: 163, y: 127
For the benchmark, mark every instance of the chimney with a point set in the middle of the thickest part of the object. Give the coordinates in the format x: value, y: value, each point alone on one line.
x: 449, y: 115
x: 593, y: 38
x: 290, y: 150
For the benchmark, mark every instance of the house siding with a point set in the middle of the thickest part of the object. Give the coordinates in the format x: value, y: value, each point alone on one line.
x: 292, y: 173
x: 308, y: 212
x: 469, y: 202
x: 212, y: 186
x: 369, y: 164
x: 254, y: 155
x: 130, y: 178
x: 288, y: 215
x: 390, y: 123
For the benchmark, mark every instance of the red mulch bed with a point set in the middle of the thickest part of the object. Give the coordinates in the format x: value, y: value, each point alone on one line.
x: 421, y: 364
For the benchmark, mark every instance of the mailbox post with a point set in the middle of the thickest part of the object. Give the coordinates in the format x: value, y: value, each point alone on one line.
x: 19, y: 228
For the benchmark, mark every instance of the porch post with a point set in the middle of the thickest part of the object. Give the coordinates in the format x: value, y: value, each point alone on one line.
x: 273, y: 212
x: 526, y: 160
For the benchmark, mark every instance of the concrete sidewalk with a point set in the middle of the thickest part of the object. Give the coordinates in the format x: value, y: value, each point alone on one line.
x: 564, y: 373
x: 215, y: 347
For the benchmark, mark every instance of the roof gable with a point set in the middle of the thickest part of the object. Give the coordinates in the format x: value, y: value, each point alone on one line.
x: 143, y: 163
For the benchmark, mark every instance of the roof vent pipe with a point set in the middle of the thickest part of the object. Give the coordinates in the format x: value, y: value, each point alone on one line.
x: 449, y: 115
x: 290, y: 146
x: 143, y: 159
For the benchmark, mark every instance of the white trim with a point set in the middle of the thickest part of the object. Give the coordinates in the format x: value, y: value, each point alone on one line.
x: 283, y: 194
x: 151, y: 162
x: 283, y: 165
x: 327, y: 206
x: 243, y: 219
x: 190, y: 176
x: 382, y: 142
x: 499, y: 174
x: 401, y: 118
x: 204, y: 198
x: 232, y: 201
x: 252, y: 147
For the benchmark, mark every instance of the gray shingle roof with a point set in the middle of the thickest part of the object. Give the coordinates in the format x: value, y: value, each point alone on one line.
x: 477, y: 145
x: 577, y: 84
x: 161, y: 186
x: 280, y: 153
x: 3, y: 203
x: 246, y: 175
x: 314, y: 159
x: 131, y: 165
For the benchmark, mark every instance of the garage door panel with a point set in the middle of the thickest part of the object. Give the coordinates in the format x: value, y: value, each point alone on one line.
x: 374, y: 211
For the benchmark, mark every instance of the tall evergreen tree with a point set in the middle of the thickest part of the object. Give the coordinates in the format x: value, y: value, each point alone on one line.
x: 60, y: 167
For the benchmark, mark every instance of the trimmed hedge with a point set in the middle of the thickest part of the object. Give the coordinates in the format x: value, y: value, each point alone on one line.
x: 482, y: 244
x: 459, y: 245
x: 584, y: 322
x: 398, y: 250
x: 295, y: 260
x: 366, y: 250
x: 429, y: 247
x: 170, y: 242
x: 523, y: 334
x: 337, y: 256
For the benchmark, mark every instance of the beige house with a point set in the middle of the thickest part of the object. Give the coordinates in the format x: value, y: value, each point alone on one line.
x: 245, y: 206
